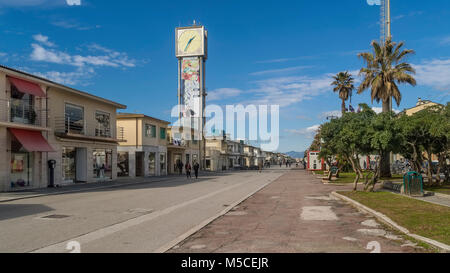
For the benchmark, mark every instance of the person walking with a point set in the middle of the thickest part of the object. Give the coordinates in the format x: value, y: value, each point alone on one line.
x: 180, y: 167
x: 260, y: 166
x: 188, y: 170
x: 196, y: 168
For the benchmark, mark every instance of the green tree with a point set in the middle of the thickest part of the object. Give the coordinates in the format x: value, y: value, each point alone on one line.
x: 385, y: 69
x: 347, y: 139
x: 343, y: 84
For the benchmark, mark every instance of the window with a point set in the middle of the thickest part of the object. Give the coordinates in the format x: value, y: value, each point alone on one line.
x: 21, y: 166
x: 152, y: 164
x: 74, y: 119
x: 162, y: 161
x: 22, y: 107
x: 194, y: 141
x: 69, y: 164
x: 123, y: 164
x: 102, y: 164
x: 150, y: 130
x: 162, y: 133
x: 103, y: 126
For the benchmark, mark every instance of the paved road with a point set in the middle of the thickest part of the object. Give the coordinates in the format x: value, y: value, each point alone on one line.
x: 295, y: 214
x: 139, y: 218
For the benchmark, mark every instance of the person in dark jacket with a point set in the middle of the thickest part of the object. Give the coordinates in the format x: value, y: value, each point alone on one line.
x: 196, y: 169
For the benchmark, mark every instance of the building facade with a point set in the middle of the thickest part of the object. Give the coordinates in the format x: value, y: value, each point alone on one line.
x: 143, y: 149
x: 180, y: 150
x: 43, y: 122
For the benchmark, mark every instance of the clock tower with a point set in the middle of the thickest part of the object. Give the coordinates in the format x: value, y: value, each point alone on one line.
x: 191, y: 52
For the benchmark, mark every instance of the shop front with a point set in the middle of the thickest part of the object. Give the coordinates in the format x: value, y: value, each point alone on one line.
x: 26, y: 159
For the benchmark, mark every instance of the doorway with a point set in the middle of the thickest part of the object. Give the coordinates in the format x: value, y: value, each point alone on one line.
x: 140, y: 164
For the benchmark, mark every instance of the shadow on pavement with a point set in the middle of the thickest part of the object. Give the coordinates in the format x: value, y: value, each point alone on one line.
x: 16, y: 211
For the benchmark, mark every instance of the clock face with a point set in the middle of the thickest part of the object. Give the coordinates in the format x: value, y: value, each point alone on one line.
x: 190, y: 42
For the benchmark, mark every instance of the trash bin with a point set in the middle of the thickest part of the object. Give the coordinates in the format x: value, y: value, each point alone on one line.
x: 413, y: 184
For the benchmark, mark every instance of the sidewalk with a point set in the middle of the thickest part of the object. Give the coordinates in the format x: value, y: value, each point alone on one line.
x: 121, y: 182
x: 295, y: 214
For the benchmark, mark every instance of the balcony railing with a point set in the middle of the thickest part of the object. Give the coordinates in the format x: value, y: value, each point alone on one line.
x: 22, y: 112
x: 66, y: 125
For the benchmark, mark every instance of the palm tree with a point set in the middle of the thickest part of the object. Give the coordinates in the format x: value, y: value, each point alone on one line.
x: 385, y: 70
x: 343, y: 83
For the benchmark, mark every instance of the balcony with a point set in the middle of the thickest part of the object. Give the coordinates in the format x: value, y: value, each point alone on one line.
x: 22, y: 112
x: 82, y: 130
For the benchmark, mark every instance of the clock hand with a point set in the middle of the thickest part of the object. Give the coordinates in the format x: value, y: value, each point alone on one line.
x: 189, y: 43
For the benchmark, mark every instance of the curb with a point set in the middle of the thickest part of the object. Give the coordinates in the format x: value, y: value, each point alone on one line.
x: 203, y: 224
x: 438, y: 194
x: 77, y: 191
x: 386, y: 220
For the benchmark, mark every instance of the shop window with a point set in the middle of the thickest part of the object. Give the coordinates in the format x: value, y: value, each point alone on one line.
x: 208, y: 164
x: 21, y: 166
x: 123, y: 164
x: 152, y: 164
x: 103, y: 126
x: 69, y: 164
x: 162, y: 162
x: 102, y: 164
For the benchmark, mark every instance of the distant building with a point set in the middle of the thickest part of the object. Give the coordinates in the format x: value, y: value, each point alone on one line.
x: 143, y: 149
x: 421, y: 105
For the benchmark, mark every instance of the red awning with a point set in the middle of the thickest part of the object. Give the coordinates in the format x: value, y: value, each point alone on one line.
x: 27, y: 87
x: 32, y: 141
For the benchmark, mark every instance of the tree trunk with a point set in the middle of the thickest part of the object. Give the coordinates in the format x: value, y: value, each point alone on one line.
x: 343, y: 107
x: 386, y: 157
x: 386, y: 107
x: 355, y: 183
x: 385, y: 165
x: 430, y: 168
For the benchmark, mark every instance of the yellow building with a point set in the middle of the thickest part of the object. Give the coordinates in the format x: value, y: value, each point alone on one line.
x: 143, y: 149
x: 42, y: 122
x: 421, y: 105
x: 181, y: 150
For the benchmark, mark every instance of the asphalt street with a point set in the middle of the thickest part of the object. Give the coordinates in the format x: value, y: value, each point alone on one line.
x: 139, y: 218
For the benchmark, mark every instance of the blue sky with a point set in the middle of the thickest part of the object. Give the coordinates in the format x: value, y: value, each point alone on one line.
x: 277, y: 52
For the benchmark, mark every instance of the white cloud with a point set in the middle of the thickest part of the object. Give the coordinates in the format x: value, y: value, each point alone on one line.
x: 67, y: 78
x: 379, y: 110
x: 434, y: 73
x: 374, y: 2
x: 111, y: 59
x: 43, y: 40
x: 285, y: 91
x: 309, y: 132
x: 99, y: 57
x: 223, y: 93
x: 73, y: 2
x: 275, y: 71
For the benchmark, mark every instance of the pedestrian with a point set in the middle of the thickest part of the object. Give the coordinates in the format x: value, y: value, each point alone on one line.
x: 196, y: 168
x: 188, y: 170
x: 260, y: 166
x: 180, y: 167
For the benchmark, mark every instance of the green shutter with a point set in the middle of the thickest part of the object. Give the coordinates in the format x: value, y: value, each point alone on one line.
x: 154, y: 131
x: 163, y: 133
